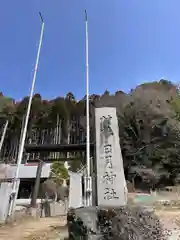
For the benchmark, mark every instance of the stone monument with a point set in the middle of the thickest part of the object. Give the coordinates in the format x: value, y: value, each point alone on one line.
x: 113, y: 218
x: 111, y: 187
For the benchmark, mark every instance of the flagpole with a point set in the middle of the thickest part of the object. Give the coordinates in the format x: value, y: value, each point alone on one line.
x: 88, y: 177
x: 3, y: 134
x: 24, y: 132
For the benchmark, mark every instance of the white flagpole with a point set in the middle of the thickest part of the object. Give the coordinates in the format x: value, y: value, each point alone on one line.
x: 24, y: 132
x: 3, y: 134
x: 88, y: 178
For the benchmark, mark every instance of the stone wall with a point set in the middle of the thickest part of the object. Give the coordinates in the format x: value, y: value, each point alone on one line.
x: 54, y: 209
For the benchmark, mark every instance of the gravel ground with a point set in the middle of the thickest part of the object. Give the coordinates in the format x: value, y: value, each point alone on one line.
x: 171, y: 223
x: 43, y: 228
x: 54, y: 228
x: 54, y: 234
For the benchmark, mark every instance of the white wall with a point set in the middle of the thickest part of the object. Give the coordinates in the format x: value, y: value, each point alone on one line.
x: 26, y: 170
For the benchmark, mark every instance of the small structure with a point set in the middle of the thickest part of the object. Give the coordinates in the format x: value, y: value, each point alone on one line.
x: 75, y: 190
x: 5, y: 191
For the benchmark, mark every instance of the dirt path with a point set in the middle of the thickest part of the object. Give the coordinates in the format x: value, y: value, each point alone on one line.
x: 42, y: 229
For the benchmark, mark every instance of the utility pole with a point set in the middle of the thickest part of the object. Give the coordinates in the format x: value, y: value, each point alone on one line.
x: 22, y: 143
x: 37, y: 184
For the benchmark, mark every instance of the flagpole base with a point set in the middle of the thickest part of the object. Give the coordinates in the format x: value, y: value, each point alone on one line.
x: 88, y: 191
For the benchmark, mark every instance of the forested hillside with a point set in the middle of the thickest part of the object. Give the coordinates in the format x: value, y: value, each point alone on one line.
x: 149, y: 123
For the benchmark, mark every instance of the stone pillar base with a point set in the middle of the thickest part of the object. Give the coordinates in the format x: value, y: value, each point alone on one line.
x: 34, y: 212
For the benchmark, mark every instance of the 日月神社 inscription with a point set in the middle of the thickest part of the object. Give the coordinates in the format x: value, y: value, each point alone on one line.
x: 110, y: 172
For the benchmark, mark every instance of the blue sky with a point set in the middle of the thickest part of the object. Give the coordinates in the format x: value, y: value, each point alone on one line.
x: 130, y: 41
